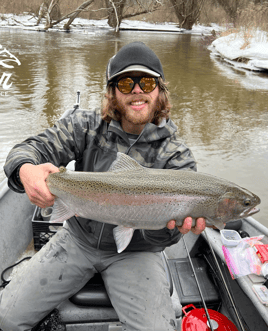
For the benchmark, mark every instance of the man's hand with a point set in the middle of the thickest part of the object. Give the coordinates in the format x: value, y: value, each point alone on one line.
x: 187, y: 225
x: 33, y: 178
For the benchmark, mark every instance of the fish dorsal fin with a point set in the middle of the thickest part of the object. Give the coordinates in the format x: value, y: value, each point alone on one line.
x: 124, y: 162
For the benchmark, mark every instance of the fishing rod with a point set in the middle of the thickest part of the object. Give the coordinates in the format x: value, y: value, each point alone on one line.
x: 211, y: 323
x: 77, y: 104
x: 224, y: 282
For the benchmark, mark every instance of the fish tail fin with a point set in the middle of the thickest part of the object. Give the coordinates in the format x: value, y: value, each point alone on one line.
x: 61, y: 212
x: 122, y: 237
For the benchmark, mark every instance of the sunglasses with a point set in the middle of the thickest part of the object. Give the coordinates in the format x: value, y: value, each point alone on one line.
x: 126, y: 84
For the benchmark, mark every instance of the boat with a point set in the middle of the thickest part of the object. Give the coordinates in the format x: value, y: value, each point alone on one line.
x: 200, y: 281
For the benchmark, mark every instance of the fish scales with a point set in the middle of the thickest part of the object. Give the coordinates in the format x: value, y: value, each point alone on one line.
x: 122, y: 190
x: 155, y: 181
x: 131, y: 196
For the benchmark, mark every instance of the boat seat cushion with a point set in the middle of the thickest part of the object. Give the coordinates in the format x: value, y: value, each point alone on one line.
x: 92, y: 294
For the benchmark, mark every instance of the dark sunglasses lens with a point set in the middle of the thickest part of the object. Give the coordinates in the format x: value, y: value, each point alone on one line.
x: 147, y: 84
x: 125, y: 85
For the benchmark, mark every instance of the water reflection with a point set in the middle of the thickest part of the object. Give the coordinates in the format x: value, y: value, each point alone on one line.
x: 223, y: 119
x: 250, y: 80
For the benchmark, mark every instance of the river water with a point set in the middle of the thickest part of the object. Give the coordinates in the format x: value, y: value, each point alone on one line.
x: 221, y: 114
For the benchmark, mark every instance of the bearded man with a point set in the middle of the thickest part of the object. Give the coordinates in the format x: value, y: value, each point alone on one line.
x: 135, y: 121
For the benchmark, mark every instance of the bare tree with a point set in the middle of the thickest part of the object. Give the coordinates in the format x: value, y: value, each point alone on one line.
x: 73, y: 15
x: 42, y: 11
x: 117, y: 11
x: 232, y: 7
x: 187, y: 12
x: 47, y: 10
x: 54, y: 6
x: 123, y: 9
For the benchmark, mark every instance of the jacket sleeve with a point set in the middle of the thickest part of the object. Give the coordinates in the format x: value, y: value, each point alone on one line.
x: 58, y: 145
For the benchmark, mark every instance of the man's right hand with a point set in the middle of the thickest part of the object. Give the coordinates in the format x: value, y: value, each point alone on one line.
x: 33, y: 178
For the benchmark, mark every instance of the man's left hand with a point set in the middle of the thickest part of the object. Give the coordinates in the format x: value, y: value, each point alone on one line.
x: 187, y: 225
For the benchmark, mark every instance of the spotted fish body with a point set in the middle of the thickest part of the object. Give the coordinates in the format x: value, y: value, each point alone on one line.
x: 134, y: 197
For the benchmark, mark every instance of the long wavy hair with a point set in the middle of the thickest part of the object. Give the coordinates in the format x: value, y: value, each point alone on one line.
x: 110, y: 112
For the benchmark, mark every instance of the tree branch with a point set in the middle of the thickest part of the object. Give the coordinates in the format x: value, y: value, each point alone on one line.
x: 77, y: 12
x: 116, y: 15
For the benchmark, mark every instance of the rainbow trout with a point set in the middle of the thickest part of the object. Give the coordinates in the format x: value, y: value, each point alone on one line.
x: 134, y: 197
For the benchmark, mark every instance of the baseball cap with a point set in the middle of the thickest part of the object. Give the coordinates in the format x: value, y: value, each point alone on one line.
x: 135, y: 56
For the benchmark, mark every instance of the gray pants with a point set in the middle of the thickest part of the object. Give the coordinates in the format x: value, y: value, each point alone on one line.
x: 135, y: 281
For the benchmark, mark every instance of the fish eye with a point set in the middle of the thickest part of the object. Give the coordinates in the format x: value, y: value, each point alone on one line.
x: 247, y: 202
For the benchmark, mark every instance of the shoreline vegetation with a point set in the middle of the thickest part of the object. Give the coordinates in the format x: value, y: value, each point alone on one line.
x: 238, y: 35
x: 230, y: 14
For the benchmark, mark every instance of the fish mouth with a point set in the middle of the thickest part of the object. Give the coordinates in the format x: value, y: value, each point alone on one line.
x: 249, y: 212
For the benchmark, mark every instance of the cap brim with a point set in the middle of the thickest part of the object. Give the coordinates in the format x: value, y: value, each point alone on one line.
x: 136, y: 68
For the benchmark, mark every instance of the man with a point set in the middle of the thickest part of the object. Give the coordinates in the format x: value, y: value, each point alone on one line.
x: 135, y: 120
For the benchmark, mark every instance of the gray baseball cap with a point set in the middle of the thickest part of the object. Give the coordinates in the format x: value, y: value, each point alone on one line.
x: 135, y: 56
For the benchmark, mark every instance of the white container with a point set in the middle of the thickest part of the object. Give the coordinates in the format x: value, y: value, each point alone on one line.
x: 264, y: 270
x: 46, y: 213
x: 230, y: 238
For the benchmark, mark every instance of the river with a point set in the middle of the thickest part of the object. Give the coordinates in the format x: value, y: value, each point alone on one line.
x: 221, y: 114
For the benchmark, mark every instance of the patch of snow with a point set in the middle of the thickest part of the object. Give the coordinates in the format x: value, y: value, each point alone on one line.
x: 81, y: 25
x: 249, y: 52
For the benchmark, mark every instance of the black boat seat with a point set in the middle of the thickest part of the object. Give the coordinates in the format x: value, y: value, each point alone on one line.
x: 94, y: 294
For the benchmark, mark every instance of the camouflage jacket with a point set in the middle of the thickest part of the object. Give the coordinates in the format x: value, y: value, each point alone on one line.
x: 93, y: 144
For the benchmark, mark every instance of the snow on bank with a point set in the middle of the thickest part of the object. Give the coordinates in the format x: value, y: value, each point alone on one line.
x: 243, y: 50
x: 79, y: 25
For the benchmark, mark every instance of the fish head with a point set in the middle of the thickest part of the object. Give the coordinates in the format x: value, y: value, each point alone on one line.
x: 237, y: 203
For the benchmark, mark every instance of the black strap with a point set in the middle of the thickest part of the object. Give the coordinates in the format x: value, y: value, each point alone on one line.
x: 4, y: 281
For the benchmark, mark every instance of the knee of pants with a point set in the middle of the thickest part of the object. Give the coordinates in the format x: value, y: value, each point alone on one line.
x: 139, y: 292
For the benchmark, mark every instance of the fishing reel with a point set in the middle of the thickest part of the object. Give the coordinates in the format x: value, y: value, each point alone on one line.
x: 196, y: 319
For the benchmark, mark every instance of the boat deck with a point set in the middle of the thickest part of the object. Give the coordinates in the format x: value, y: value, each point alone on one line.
x: 245, y: 282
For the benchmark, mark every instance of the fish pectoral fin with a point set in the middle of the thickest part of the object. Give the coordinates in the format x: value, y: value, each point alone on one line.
x: 124, y: 162
x: 218, y: 223
x: 61, y: 212
x: 122, y: 237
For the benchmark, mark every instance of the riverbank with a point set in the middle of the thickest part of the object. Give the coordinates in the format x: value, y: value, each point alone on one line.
x: 81, y: 25
x: 243, y: 49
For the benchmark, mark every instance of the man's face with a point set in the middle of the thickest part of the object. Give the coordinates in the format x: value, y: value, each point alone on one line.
x: 137, y: 107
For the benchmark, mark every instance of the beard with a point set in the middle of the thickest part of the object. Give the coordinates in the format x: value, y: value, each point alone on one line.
x: 138, y: 118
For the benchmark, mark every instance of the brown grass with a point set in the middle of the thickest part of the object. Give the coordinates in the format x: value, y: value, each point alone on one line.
x: 254, y: 17
x: 250, y: 19
x: 213, y: 14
